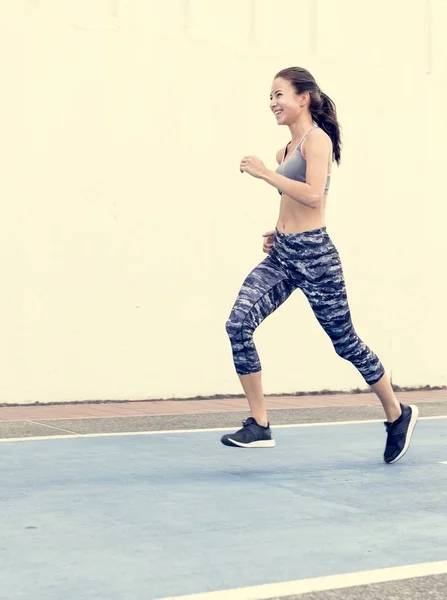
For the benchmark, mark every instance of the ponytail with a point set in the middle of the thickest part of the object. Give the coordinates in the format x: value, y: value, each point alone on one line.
x: 325, y: 114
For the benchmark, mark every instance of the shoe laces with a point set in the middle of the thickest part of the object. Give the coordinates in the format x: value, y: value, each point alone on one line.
x: 250, y: 423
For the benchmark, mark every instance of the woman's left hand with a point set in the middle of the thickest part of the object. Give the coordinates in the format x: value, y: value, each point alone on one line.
x: 253, y: 166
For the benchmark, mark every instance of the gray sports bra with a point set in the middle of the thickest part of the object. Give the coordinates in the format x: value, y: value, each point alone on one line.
x: 295, y: 166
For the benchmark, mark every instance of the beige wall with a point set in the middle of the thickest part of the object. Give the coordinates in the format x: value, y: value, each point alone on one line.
x: 127, y: 228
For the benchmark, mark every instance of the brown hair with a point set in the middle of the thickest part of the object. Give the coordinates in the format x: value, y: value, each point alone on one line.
x: 322, y: 108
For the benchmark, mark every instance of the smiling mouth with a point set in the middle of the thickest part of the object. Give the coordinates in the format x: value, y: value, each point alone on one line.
x: 277, y: 112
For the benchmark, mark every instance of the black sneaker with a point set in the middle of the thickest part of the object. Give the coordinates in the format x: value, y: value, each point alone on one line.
x: 251, y: 435
x: 399, y: 433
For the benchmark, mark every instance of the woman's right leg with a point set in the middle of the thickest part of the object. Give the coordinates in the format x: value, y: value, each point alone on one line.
x: 263, y: 291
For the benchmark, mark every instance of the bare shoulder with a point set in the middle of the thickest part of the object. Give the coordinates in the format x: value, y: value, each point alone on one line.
x: 279, y: 156
x: 317, y: 141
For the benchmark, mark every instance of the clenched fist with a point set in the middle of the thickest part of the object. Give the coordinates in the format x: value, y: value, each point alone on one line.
x: 269, y: 238
x: 253, y: 166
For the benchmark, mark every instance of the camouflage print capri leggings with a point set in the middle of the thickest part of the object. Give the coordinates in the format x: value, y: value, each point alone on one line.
x: 311, y: 262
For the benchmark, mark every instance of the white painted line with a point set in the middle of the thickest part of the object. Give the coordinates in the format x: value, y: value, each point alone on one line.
x: 444, y: 462
x: 51, y: 427
x: 319, y: 584
x: 172, y: 431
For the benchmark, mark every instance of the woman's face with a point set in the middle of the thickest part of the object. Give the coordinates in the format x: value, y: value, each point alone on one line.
x: 285, y: 103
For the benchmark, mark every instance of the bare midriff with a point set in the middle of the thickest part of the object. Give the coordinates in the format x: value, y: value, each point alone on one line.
x: 296, y: 218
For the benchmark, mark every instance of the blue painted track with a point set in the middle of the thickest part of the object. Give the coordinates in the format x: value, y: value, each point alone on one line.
x: 148, y: 516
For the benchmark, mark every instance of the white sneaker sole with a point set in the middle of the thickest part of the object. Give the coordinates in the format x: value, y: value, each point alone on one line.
x: 258, y: 444
x: 412, y: 425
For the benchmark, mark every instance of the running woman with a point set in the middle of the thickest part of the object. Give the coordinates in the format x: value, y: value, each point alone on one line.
x: 302, y: 255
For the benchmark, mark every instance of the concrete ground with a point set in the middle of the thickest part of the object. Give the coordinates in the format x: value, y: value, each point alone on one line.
x: 122, y: 503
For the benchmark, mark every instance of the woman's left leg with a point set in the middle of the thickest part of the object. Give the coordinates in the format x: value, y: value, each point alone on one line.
x: 326, y: 293
x: 327, y: 296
